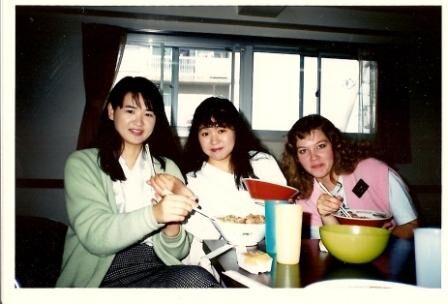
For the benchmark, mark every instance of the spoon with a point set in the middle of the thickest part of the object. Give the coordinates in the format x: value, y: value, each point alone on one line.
x: 341, y: 207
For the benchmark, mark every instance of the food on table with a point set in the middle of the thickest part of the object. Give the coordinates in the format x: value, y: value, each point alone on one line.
x: 254, y: 261
x: 242, y: 230
x: 363, y: 217
x: 373, y: 215
x: 255, y: 257
x: 355, y: 214
x: 249, y: 219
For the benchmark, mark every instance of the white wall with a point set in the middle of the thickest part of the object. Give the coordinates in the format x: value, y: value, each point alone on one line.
x: 49, y: 106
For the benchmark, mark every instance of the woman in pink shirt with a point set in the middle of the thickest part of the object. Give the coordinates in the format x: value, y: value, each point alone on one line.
x: 317, y: 152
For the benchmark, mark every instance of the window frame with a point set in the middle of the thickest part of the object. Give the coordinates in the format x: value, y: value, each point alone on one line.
x: 247, y: 46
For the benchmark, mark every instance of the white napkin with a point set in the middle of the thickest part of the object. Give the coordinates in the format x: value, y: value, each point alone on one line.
x: 219, y: 251
x: 322, y: 246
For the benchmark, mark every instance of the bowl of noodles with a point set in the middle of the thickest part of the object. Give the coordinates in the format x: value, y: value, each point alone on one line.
x: 363, y: 217
x: 242, y: 230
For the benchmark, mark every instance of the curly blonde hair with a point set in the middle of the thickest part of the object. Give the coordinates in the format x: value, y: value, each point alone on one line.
x: 347, y: 152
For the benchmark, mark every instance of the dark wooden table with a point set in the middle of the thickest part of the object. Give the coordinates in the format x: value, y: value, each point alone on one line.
x: 396, y: 264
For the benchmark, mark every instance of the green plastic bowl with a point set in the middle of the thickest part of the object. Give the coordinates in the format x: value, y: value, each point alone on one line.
x: 354, y: 244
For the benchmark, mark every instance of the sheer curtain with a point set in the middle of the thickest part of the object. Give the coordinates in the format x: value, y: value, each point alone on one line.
x: 103, y: 47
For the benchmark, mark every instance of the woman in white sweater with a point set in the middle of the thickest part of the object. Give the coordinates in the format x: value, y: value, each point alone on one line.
x: 220, y: 151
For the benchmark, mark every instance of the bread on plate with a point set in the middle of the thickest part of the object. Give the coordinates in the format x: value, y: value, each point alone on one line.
x: 254, y: 261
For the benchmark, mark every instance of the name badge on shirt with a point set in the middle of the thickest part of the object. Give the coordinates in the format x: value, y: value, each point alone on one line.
x: 360, y: 188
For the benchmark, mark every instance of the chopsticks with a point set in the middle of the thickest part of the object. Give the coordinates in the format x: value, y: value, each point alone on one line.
x: 212, y: 220
x: 153, y: 169
x: 341, y: 207
x: 204, y: 214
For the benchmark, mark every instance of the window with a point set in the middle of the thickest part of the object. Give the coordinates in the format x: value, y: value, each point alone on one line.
x: 276, y: 84
x: 202, y: 73
x: 346, y: 88
x: 189, y: 74
x: 272, y: 85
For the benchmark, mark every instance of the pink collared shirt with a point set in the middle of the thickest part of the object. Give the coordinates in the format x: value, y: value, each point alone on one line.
x: 373, y: 172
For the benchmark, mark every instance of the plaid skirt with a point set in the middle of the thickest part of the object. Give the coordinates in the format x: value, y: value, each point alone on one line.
x: 139, y: 266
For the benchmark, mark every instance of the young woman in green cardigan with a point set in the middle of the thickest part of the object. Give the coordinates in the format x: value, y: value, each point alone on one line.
x: 122, y: 232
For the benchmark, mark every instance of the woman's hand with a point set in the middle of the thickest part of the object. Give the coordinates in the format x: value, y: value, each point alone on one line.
x: 327, y: 204
x: 176, y: 201
x: 405, y: 231
x: 165, y: 183
x: 389, y: 225
x: 173, y: 208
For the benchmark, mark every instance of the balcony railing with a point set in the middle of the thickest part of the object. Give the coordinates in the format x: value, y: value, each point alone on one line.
x: 191, y: 69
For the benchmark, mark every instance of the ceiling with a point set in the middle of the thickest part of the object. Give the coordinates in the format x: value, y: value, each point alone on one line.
x: 370, y: 24
x: 392, y: 18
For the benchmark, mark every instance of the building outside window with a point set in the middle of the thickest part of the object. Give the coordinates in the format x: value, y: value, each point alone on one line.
x: 272, y: 87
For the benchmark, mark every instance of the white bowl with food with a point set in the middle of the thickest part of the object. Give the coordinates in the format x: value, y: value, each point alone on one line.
x: 242, y: 230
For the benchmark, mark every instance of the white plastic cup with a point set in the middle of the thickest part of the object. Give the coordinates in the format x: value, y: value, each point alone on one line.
x: 269, y: 213
x: 288, y: 232
x: 428, y: 257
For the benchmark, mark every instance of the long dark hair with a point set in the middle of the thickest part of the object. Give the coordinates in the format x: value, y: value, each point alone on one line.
x: 162, y: 141
x: 347, y: 152
x: 215, y: 111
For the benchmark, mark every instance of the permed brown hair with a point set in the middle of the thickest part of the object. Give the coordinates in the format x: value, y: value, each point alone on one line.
x: 347, y: 152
